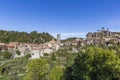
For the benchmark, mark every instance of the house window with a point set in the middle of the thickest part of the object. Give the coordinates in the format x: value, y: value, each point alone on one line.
x: 32, y: 53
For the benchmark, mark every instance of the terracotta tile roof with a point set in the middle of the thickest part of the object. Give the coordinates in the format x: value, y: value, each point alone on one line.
x: 11, y: 46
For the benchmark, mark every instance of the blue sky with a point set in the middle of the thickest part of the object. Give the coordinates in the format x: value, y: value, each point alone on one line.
x: 68, y: 17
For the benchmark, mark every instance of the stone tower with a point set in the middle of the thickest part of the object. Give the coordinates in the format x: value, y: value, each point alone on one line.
x: 58, y: 38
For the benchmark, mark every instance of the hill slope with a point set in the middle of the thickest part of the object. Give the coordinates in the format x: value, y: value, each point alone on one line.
x: 33, y: 37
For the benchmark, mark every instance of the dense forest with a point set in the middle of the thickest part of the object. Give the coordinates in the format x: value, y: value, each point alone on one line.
x: 24, y: 37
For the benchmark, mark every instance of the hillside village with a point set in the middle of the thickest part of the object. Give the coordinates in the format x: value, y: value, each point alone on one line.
x: 102, y: 36
x: 35, y: 50
x: 59, y: 39
x: 65, y: 54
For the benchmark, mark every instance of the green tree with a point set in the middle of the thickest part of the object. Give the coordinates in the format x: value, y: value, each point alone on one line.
x: 95, y: 64
x: 28, y: 56
x: 56, y: 73
x: 6, y: 55
x: 68, y: 73
x: 53, y: 57
x: 33, y: 37
x: 18, y: 52
x: 37, y: 69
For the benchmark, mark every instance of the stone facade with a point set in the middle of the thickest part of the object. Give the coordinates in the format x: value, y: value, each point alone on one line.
x: 103, y: 36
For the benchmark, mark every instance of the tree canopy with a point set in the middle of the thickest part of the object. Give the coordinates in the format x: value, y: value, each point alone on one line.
x: 33, y: 37
x: 38, y: 69
x: 95, y: 64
